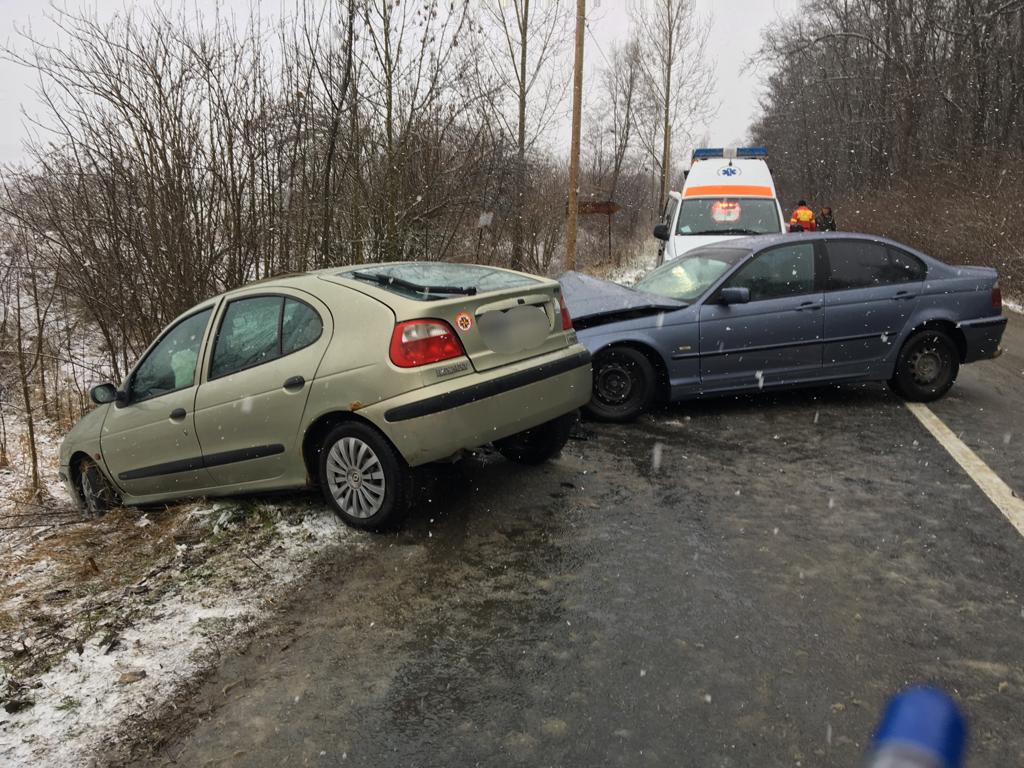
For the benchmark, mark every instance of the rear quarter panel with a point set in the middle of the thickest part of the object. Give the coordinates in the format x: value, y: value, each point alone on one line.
x: 355, y: 370
x: 950, y: 294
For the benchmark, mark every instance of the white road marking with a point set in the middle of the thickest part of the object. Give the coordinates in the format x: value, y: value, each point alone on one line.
x: 998, y: 492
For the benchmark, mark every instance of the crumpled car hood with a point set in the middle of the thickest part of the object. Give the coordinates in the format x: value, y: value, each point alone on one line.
x: 589, y: 297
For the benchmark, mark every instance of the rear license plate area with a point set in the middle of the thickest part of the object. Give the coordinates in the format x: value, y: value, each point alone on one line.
x: 514, y: 330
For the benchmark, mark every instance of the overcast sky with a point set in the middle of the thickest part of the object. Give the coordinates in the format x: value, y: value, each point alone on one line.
x: 735, y: 34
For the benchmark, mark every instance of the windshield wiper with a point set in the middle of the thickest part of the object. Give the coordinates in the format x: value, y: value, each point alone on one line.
x: 725, y: 232
x: 408, y: 284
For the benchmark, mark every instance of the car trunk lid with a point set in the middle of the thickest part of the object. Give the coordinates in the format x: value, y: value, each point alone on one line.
x: 500, y: 317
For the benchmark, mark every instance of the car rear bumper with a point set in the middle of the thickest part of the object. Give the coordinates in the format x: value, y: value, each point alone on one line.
x: 982, y: 337
x: 436, y: 422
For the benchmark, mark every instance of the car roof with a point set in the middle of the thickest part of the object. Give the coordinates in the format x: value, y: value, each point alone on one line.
x: 295, y: 279
x: 317, y: 281
x: 757, y: 243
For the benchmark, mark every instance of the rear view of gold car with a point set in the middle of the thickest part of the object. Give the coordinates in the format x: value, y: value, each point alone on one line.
x: 343, y: 378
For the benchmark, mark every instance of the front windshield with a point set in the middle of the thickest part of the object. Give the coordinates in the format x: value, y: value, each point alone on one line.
x: 689, y: 276
x: 728, y: 216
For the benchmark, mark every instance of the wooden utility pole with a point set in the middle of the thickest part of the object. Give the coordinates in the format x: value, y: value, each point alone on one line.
x: 574, y: 152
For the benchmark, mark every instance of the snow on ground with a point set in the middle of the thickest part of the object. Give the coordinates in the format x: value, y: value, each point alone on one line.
x: 632, y: 269
x: 103, y: 621
x: 1014, y: 306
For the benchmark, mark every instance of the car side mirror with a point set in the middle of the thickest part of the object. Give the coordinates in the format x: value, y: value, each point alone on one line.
x: 734, y: 295
x: 661, y: 231
x: 105, y: 393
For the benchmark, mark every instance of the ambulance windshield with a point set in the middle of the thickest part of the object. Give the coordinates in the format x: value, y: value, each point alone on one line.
x: 728, y: 216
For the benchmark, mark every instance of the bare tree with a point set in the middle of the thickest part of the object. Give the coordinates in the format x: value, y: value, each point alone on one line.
x: 861, y: 94
x: 677, y: 77
x: 621, y: 81
x: 523, y: 50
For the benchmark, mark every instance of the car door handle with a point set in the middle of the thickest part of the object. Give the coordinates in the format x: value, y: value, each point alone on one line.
x: 902, y: 296
x: 178, y: 414
x: 808, y: 305
x: 295, y: 383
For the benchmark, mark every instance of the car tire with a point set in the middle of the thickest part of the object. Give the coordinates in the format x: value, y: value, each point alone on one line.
x: 926, y: 367
x: 363, y: 478
x: 624, y: 385
x: 540, y: 443
x: 97, y: 494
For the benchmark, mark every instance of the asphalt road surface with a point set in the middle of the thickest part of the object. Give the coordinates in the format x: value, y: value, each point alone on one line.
x: 736, y: 582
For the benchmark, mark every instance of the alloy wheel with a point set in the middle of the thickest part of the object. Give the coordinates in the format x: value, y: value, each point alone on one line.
x: 355, y: 477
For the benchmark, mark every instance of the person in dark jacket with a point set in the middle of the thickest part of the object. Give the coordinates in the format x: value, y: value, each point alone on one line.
x: 826, y: 221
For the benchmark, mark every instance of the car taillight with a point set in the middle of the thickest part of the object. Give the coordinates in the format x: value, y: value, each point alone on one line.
x: 421, y: 342
x: 566, y: 318
x: 997, y: 297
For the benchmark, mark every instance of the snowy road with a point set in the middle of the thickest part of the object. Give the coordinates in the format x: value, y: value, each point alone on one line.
x: 731, y: 583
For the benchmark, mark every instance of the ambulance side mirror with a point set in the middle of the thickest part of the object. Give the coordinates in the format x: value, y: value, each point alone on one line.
x: 661, y: 231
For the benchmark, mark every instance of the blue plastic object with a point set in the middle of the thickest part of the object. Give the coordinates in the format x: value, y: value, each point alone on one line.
x: 708, y: 153
x: 920, y: 727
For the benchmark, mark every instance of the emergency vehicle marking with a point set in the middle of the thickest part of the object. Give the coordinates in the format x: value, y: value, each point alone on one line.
x: 729, y: 170
x: 725, y: 211
x: 728, y: 190
x: 464, y: 321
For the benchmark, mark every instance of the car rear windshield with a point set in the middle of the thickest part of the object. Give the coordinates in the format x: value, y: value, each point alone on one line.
x: 689, y: 276
x: 728, y: 216
x: 431, y: 281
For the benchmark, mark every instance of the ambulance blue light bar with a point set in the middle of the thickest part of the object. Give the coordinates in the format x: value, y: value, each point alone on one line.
x: 709, y: 153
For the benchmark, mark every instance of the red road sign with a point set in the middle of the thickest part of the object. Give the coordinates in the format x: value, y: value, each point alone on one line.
x: 604, y: 207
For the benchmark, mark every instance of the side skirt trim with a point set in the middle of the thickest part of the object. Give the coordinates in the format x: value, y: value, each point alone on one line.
x: 199, y: 462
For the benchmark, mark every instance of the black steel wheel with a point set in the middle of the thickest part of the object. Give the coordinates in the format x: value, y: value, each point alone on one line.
x: 927, y: 366
x: 624, y: 384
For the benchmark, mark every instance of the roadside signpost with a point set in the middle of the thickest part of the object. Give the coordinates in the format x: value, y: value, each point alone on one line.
x: 600, y: 207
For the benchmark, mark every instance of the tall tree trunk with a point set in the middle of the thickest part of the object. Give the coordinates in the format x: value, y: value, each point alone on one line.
x: 337, y: 108
x: 518, y: 261
x: 26, y: 391
x: 666, y: 127
x: 39, y: 365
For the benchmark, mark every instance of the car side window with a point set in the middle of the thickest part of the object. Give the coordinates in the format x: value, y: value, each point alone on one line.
x: 259, y: 329
x: 865, y: 264
x: 250, y: 334
x: 787, y: 270
x: 171, y: 364
x: 910, y: 269
x: 301, y: 326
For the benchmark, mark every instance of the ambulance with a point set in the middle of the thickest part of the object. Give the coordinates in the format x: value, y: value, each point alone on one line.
x: 728, y: 192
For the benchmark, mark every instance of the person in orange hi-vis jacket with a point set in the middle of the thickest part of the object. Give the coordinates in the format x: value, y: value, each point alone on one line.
x: 802, y: 217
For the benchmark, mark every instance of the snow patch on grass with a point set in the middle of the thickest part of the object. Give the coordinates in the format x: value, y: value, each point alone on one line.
x: 82, y: 704
x: 89, y: 605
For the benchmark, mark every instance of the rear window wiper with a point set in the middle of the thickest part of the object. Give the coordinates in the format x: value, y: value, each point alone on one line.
x: 386, y: 280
